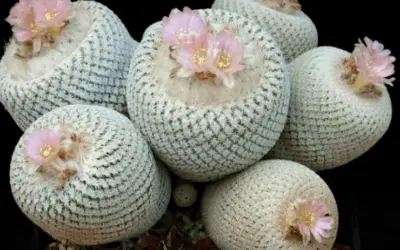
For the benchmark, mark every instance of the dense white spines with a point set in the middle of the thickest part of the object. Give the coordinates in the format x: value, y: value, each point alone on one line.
x: 204, y: 143
x: 117, y: 192
x: 250, y: 210
x: 295, y: 33
x: 328, y: 124
x: 93, y: 73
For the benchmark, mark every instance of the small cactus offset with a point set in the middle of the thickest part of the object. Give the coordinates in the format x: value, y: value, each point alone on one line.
x: 184, y: 193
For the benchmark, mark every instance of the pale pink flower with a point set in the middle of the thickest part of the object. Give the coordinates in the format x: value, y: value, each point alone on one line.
x: 193, y: 57
x: 28, y: 31
x: 373, y: 62
x: 19, y: 11
x: 183, y: 27
x: 43, y: 146
x: 23, y: 21
x: 52, y: 14
x: 225, y: 56
x: 312, y: 219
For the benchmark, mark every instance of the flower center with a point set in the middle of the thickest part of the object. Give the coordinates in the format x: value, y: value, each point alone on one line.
x: 199, y: 57
x: 223, y: 61
x: 46, y: 151
x: 34, y: 28
x: 50, y: 15
x: 308, y: 219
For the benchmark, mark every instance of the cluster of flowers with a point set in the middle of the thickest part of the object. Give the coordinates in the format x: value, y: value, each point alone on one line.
x: 201, y: 51
x: 57, y: 151
x: 368, y: 65
x: 37, y: 23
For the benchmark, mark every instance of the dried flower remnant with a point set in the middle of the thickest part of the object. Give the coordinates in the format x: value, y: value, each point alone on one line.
x: 312, y: 220
x: 57, y: 152
x: 285, y: 6
x: 368, y: 66
x: 36, y: 24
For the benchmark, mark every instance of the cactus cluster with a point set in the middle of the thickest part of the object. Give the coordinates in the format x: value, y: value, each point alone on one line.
x: 237, y: 98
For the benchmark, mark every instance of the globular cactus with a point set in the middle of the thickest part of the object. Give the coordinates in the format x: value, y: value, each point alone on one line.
x: 339, y: 110
x: 156, y: 25
x: 86, y: 63
x: 86, y: 176
x: 204, y: 130
x: 274, y: 204
x: 184, y: 193
x: 293, y: 30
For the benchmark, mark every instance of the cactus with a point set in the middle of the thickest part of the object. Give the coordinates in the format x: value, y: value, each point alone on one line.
x: 86, y: 176
x: 184, y: 194
x: 335, y: 116
x: 275, y: 204
x: 87, y: 64
x: 293, y: 30
x: 201, y: 129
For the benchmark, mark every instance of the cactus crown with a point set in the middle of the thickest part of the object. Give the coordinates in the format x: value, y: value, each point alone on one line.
x: 57, y: 152
x: 309, y: 219
x: 367, y: 67
x: 38, y: 23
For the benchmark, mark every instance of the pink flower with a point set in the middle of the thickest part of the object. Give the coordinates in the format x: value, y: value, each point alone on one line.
x: 52, y: 13
x: 183, y: 27
x: 312, y: 219
x: 23, y: 21
x: 193, y: 57
x: 43, y: 146
x: 373, y: 62
x: 225, y: 56
x: 19, y: 11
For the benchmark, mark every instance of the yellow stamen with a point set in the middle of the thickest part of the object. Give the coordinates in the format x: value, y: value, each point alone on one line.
x: 199, y: 57
x: 308, y: 219
x: 47, y: 151
x: 35, y: 28
x: 50, y: 15
x: 181, y: 33
x: 223, y: 61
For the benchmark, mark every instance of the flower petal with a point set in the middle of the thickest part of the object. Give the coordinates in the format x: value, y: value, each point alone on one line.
x: 316, y: 235
x: 325, y: 223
